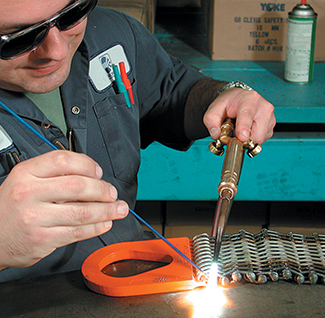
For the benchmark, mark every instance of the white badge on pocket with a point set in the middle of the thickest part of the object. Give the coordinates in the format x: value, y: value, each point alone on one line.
x: 101, y: 66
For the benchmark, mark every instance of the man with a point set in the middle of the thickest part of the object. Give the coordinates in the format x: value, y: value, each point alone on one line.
x: 56, y: 73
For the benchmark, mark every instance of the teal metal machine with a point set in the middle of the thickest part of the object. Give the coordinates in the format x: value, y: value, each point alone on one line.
x: 291, y: 165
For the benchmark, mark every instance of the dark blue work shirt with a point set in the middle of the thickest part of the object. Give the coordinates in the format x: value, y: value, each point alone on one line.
x: 102, y: 125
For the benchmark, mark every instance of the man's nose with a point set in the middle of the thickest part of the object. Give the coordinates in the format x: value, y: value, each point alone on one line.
x: 54, y: 47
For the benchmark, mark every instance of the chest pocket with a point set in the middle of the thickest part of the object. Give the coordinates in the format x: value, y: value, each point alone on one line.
x: 119, y: 126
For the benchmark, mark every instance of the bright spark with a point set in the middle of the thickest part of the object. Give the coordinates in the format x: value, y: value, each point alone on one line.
x: 213, y: 276
x: 208, y: 302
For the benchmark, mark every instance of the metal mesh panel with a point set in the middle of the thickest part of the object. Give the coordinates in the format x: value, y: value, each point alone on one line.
x: 268, y: 255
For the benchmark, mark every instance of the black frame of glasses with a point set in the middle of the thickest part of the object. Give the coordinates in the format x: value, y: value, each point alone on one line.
x: 43, y: 29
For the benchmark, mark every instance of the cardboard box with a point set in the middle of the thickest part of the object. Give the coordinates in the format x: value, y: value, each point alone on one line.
x: 255, y: 30
x: 142, y: 10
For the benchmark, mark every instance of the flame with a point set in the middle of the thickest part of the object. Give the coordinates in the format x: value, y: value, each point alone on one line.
x: 208, y: 302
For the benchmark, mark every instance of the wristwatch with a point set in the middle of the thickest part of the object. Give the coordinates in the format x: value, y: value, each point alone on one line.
x: 234, y: 84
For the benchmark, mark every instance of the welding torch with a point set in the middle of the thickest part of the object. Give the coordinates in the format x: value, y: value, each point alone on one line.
x: 230, y: 174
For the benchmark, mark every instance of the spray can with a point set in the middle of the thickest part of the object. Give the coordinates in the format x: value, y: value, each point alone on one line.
x: 299, y: 64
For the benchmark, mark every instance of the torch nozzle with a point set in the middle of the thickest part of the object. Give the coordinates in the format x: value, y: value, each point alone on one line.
x: 231, y: 170
x: 227, y: 190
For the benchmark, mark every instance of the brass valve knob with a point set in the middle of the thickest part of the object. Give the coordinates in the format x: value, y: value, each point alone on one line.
x: 252, y: 149
x: 227, y: 133
x: 216, y: 147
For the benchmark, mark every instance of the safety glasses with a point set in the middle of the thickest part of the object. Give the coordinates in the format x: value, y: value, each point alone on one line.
x: 14, y: 44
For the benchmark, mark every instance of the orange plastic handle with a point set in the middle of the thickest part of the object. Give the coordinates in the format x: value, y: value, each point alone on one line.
x: 177, y: 275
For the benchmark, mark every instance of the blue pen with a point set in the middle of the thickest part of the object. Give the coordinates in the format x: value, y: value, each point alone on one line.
x: 120, y: 85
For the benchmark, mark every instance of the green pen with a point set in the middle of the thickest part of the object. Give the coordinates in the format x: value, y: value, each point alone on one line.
x: 120, y: 85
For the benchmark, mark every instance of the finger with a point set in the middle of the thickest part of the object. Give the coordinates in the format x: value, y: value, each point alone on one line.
x: 214, y: 117
x: 262, y: 130
x: 55, y: 237
x: 73, y: 188
x: 225, y: 105
x: 60, y: 163
x: 82, y: 213
x: 255, y: 119
x: 62, y: 236
x: 244, y: 109
x: 244, y: 123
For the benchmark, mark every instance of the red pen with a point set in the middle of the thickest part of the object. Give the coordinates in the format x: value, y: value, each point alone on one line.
x: 126, y: 81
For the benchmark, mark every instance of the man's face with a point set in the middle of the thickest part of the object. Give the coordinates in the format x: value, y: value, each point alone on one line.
x: 48, y: 66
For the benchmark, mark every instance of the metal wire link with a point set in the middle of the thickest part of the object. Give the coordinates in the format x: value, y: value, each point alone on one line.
x: 268, y: 255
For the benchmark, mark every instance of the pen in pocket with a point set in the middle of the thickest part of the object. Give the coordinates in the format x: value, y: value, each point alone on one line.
x: 126, y: 81
x: 120, y: 85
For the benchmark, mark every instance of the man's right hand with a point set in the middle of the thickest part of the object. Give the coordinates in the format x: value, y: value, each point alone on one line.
x: 51, y: 201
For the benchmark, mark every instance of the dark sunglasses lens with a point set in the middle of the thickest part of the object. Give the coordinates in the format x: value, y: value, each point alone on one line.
x: 24, y: 43
x: 75, y: 15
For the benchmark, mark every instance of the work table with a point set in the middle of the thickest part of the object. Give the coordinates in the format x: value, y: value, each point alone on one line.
x: 65, y: 295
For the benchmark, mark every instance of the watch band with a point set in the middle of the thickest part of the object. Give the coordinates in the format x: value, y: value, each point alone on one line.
x: 234, y: 84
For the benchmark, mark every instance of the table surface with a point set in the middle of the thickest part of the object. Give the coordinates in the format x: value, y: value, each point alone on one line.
x: 65, y: 295
x: 293, y: 103
x: 183, y: 34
